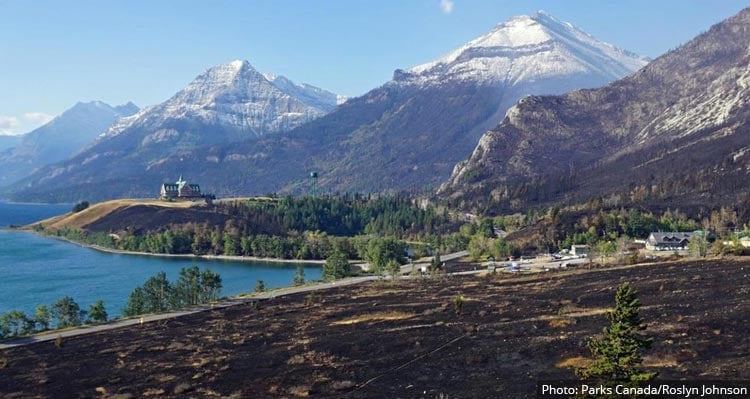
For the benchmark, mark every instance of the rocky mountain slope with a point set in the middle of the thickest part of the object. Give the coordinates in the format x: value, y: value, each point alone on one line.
x: 228, y: 103
x: 405, y: 135
x: 674, y: 134
x: 60, y: 138
x: 9, y: 141
x: 408, y: 133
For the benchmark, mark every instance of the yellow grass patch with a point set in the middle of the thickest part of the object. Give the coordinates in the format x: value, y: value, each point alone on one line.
x: 574, y: 362
x: 665, y: 361
x: 382, y: 316
x: 99, y: 210
x: 574, y: 311
x: 375, y: 293
x: 561, y: 322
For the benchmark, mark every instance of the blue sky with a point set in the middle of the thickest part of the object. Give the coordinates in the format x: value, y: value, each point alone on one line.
x: 55, y: 53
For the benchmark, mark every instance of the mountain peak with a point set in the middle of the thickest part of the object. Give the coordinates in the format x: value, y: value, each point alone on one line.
x: 228, y: 72
x: 527, y: 47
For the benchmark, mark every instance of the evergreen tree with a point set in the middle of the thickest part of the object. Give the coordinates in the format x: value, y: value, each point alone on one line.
x: 210, y: 286
x: 436, y: 263
x: 336, y: 267
x: 67, y: 313
x: 42, y: 318
x: 156, y: 294
x: 299, y: 276
x: 260, y: 286
x: 136, y: 303
x: 698, y: 245
x: 97, y: 313
x: 186, y: 291
x: 15, y: 323
x: 617, y: 354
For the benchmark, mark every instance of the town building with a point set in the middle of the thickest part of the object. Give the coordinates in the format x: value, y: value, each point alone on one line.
x: 671, y: 241
x: 180, y: 190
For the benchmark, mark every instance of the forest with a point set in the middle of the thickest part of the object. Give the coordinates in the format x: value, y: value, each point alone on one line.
x: 294, y: 228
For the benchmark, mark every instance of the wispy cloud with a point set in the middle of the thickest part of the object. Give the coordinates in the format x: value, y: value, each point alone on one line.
x: 8, y: 124
x: 446, y: 6
x: 37, y: 117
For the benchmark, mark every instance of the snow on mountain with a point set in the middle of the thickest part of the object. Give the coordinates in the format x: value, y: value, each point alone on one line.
x: 526, y: 49
x: 404, y: 135
x: 309, y: 94
x: 676, y: 132
x: 235, y: 95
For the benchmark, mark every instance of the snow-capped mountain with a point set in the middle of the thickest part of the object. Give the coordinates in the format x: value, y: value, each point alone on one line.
x: 233, y: 97
x: 526, y: 49
x: 675, y: 134
x: 60, y: 138
x: 405, y: 135
x: 225, y: 104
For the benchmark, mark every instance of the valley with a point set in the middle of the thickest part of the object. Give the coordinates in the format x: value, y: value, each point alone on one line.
x: 462, y: 228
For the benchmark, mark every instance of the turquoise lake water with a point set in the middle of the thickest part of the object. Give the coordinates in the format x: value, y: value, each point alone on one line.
x: 37, y: 270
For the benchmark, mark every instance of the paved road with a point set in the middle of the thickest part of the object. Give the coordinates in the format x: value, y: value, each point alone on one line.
x: 52, y: 335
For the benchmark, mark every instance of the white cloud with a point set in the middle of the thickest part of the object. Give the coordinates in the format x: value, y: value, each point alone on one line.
x: 38, y: 117
x: 8, y: 124
x: 446, y: 6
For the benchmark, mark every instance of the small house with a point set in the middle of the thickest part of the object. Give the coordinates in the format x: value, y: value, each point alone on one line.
x: 180, y: 189
x: 676, y: 241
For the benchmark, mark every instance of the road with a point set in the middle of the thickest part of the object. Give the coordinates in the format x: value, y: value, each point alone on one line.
x: 53, y: 335
x: 406, y: 269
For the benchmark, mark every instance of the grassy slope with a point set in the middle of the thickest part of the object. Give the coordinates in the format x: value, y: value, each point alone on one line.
x: 99, y: 211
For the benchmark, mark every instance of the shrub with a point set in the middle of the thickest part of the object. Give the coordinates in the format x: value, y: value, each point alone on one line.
x: 80, y: 206
x: 458, y: 303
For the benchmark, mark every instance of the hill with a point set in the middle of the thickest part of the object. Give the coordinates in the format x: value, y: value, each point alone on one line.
x: 405, y: 339
x: 674, y: 134
x: 134, y: 215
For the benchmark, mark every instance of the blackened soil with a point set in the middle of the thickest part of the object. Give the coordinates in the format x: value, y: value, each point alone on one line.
x: 404, y: 340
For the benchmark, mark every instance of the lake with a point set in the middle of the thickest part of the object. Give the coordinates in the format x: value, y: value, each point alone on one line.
x: 38, y: 270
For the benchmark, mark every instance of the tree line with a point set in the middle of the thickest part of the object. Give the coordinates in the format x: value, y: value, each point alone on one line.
x: 193, y: 286
x: 158, y: 294
x: 291, y: 228
x: 63, y: 313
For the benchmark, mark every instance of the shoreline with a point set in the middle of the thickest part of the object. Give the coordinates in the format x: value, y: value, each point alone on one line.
x: 249, y: 259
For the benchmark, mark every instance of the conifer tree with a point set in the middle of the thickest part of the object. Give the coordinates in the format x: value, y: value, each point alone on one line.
x: 299, y: 276
x: 617, y: 354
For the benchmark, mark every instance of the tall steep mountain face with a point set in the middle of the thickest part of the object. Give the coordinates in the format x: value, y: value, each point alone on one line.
x: 60, y: 138
x: 405, y: 135
x: 226, y: 104
x: 409, y: 133
x: 675, y: 134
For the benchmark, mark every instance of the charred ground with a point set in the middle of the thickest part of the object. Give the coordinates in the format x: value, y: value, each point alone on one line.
x: 404, y: 339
